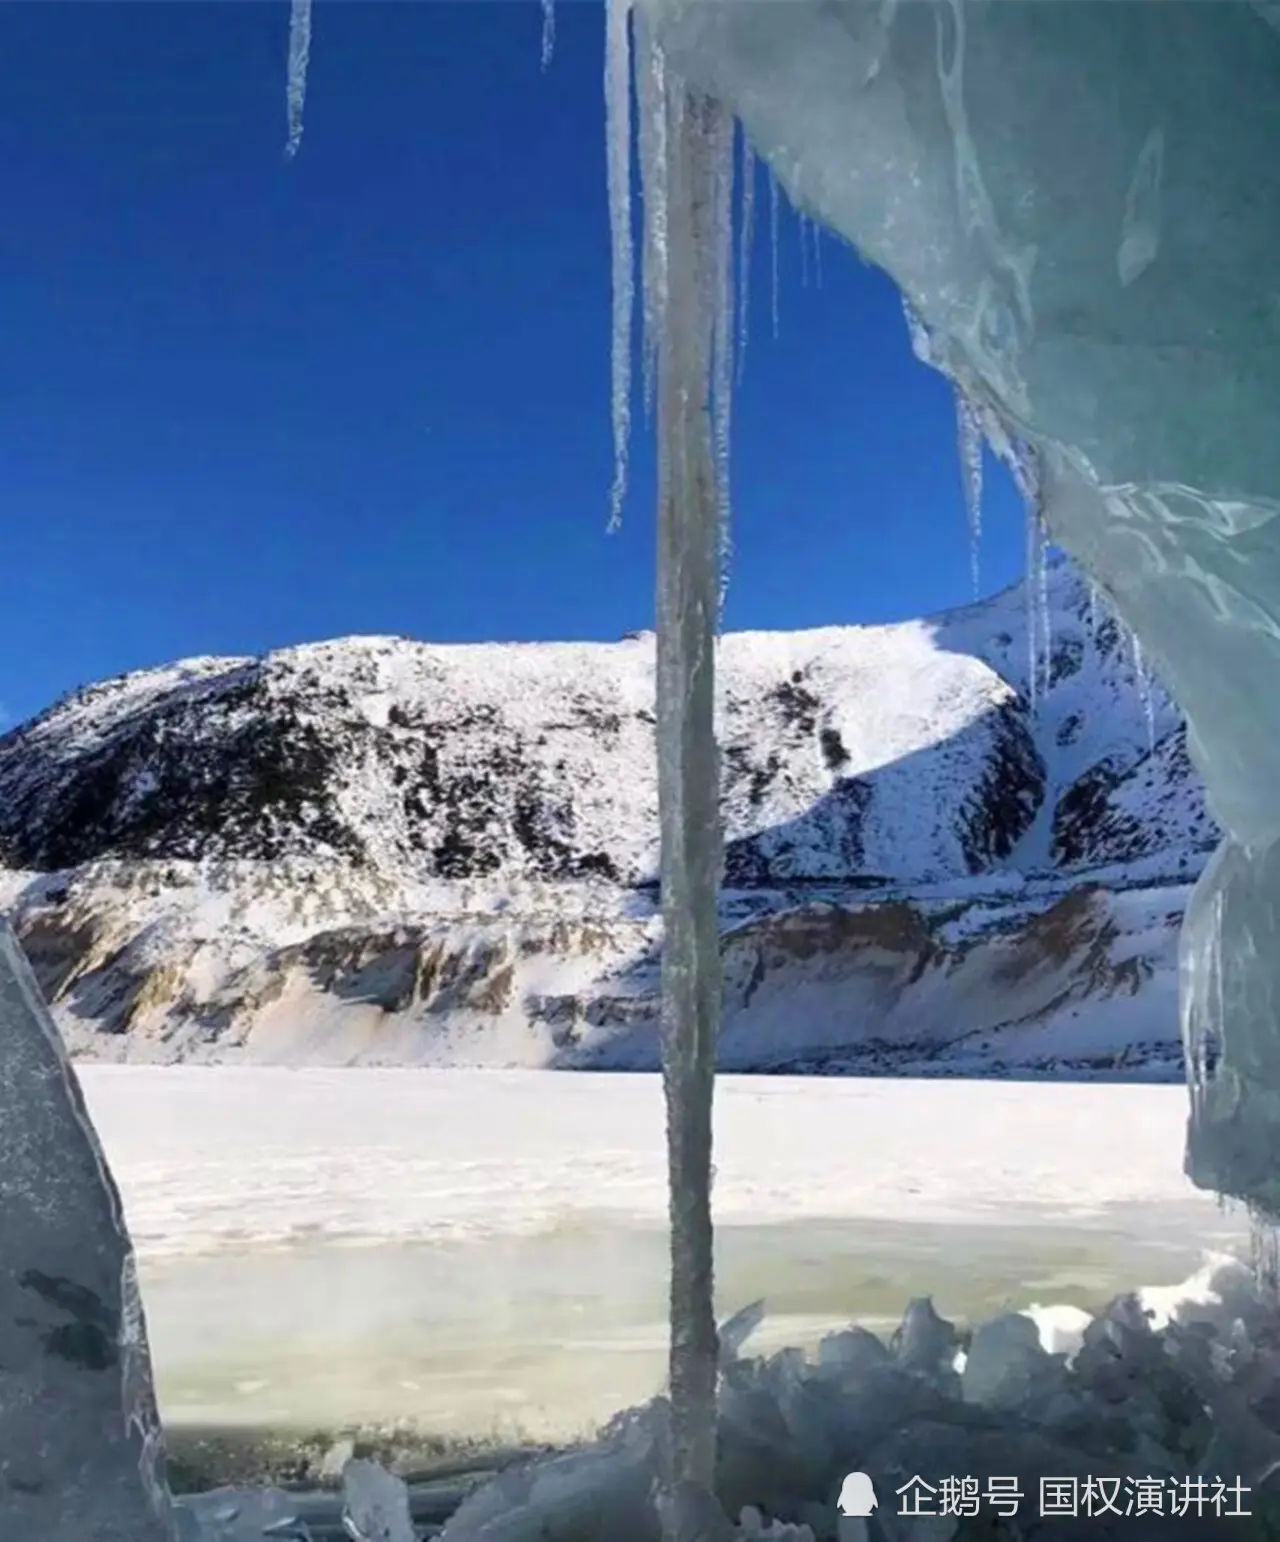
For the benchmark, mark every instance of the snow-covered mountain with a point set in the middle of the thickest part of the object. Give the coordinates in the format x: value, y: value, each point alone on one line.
x: 379, y: 849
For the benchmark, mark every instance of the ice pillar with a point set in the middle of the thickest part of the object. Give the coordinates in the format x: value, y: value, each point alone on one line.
x: 688, y: 778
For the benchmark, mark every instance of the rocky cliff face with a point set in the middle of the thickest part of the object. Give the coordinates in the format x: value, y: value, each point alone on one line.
x: 379, y: 850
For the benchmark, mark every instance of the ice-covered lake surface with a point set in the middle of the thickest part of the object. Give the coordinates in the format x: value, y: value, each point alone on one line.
x: 481, y: 1254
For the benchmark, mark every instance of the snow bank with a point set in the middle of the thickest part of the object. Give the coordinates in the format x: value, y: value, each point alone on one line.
x: 398, y: 1156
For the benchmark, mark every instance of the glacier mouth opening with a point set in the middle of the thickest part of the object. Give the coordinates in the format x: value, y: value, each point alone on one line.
x: 1075, y: 200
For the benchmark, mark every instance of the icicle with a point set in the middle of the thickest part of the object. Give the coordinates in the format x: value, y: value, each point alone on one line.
x: 1142, y: 680
x: 969, y: 432
x: 919, y: 335
x: 651, y: 98
x: 1033, y: 641
x: 720, y: 152
x: 746, y: 233
x: 802, y: 225
x: 773, y: 244
x: 1093, y: 611
x: 686, y: 170
x: 548, y: 31
x: 1024, y: 462
x: 1135, y: 661
x: 299, y: 56
x: 1042, y: 598
x: 686, y: 173
x: 817, y: 252
x: 617, y: 95
x: 688, y: 775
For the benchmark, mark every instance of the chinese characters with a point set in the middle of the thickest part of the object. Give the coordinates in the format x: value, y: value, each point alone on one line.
x: 1075, y: 1496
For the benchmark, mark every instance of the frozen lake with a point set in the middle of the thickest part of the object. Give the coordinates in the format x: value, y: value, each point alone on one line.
x: 482, y: 1253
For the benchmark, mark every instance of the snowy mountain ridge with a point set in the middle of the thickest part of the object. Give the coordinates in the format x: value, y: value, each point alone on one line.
x: 381, y: 849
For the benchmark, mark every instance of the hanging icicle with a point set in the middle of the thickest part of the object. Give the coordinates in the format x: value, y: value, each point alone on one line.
x: 746, y: 236
x: 617, y: 96
x: 653, y: 92
x: 921, y: 346
x: 1024, y: 463
x: 1032, y: 610
x: 651, y: 96
x: 720, y: 152
x: 773, y: 246
x: 1143, y: 682
x: 299, y: 57
x: 1042, y: 600
x: 970, y: 438
x: 548, y: 31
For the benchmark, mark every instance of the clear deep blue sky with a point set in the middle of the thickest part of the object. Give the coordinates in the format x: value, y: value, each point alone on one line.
x: 249, y: 403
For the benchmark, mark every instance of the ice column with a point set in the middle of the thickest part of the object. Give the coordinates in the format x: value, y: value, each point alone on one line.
x: 686, y: 142
x: 689, y: 526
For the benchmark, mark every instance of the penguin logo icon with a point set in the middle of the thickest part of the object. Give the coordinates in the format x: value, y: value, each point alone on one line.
x: 857, y: 1495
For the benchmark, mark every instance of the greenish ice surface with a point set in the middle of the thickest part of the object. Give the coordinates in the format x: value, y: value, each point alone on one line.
x: 266, y: 1357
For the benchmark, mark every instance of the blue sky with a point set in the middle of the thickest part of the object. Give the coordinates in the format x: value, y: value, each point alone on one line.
x: 245, y: 403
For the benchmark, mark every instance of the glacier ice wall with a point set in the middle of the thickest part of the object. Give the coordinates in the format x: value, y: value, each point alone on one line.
x: 1079, y: 202
x: 80, y: 1445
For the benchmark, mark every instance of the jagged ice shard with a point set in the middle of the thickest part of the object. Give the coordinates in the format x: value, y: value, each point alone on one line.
x: 81, y: 1455
x: 1080, y: 204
